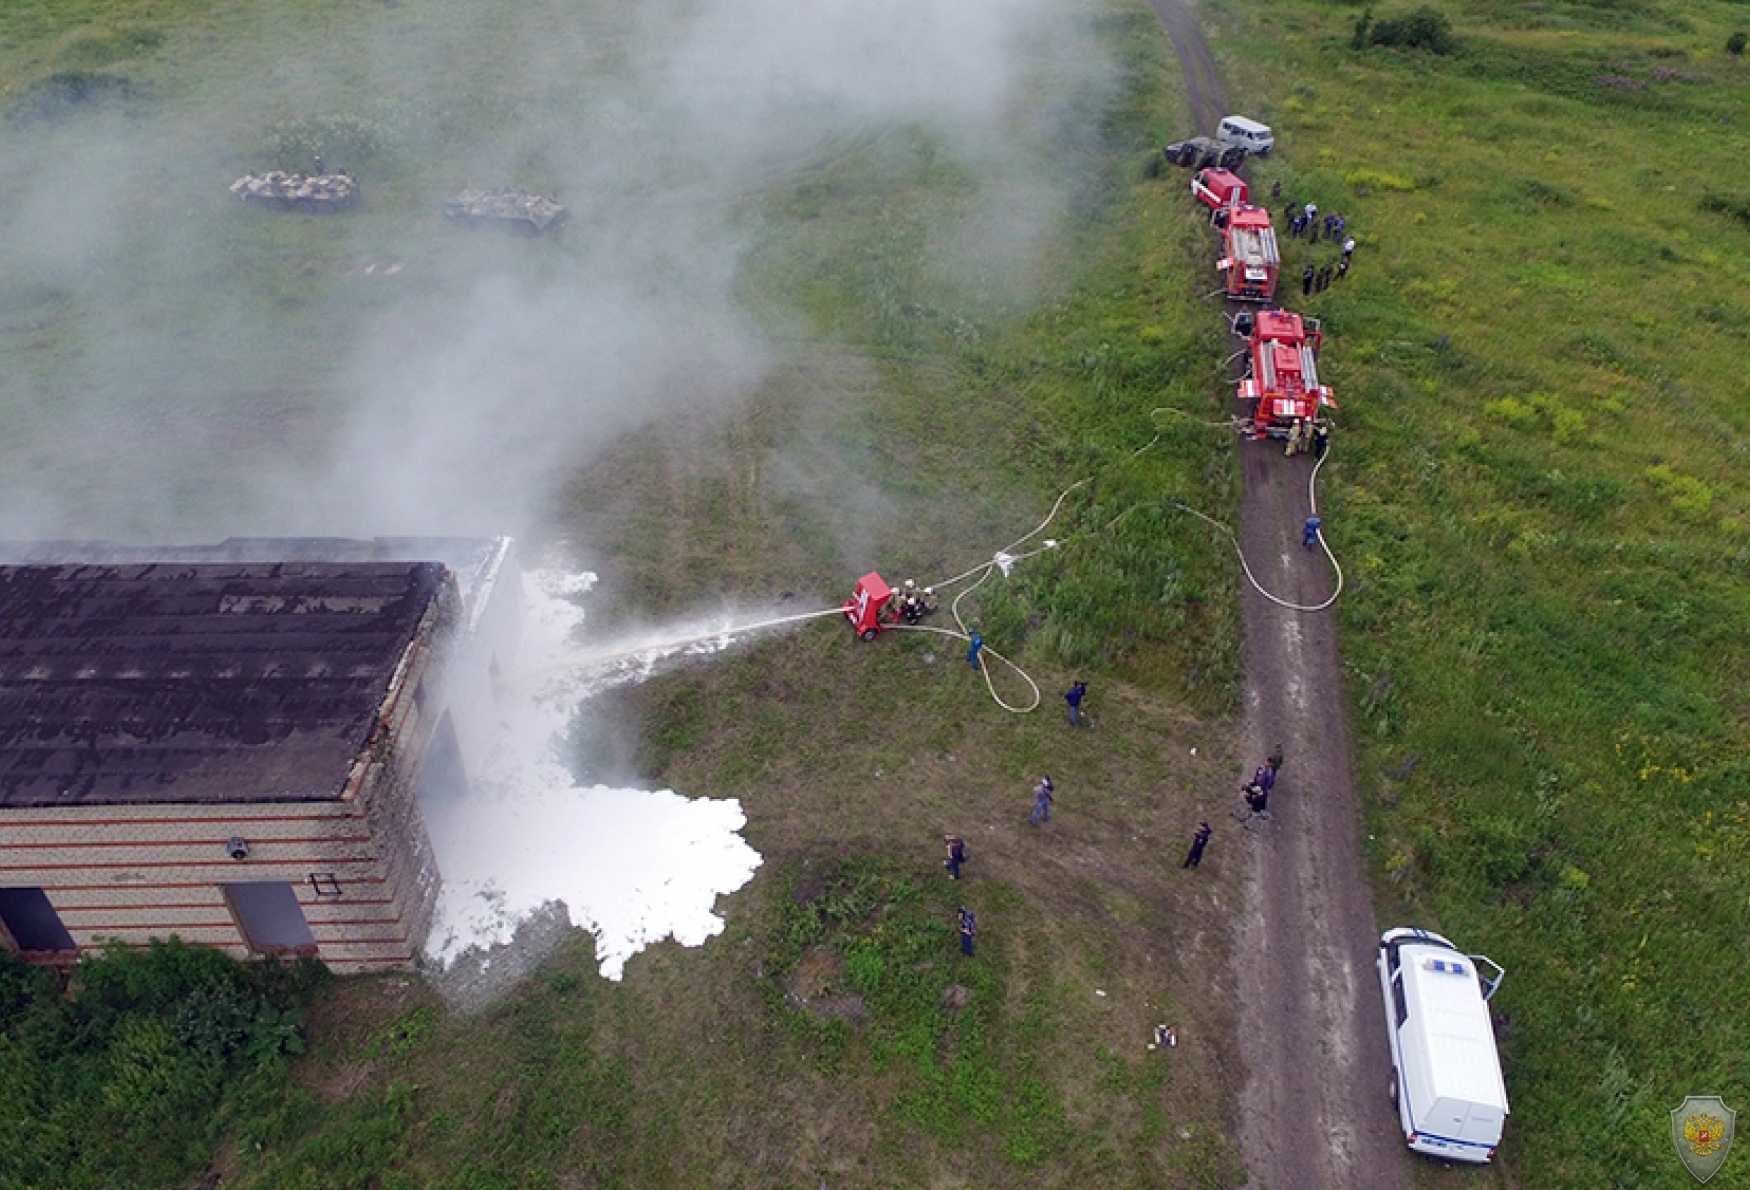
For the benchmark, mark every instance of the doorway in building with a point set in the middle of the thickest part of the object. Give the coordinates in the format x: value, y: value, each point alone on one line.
x: 270, y: 917
x: 32, y: 921
x: 443, y: 779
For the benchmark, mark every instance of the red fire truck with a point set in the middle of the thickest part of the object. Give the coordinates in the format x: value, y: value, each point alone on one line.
x: 1249, y: 255
x: 1282, y: 352
x: 1217, y: 188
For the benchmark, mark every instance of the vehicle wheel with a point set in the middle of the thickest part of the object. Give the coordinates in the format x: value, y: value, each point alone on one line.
x: 869, y: 634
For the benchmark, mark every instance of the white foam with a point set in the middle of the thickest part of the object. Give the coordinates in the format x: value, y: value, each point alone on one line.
x: 633, y: 866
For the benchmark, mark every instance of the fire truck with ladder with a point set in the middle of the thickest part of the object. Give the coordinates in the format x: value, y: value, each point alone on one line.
x: 1249, y: 256
x: 1282, y: 372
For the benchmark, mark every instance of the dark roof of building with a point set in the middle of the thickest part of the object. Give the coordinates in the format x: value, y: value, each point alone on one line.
x: 197, y: 683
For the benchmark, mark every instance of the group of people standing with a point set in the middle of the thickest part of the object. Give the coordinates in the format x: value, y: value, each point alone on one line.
x: 1257, y: 797
x: 1304, y: 436
x: 1304, y: 221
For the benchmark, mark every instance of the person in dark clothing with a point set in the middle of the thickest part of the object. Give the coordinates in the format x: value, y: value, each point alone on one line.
x: 1342, y: 268
x: 1306, y: 282
x: 1321, y: 440
x: 968, y: 931
x: 956, y: 855
x: 1275, y: 190
x: 1275, y: 761
x: 1324, y: 281
x: 1073, y: 696
x: 1257, y: 799
x: 1199, y: 841
x: 1264, y: 778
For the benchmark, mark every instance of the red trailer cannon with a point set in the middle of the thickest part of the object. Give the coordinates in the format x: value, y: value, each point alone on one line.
x: 866, y: 606
x: 875, y: 607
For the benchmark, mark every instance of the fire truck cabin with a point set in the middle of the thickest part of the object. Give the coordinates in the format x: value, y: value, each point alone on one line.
x: 1283, y: 378
x: 1250, y: 258
x: 1217, y: 188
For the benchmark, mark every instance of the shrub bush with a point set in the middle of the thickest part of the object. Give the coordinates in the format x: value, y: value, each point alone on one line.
x: 121, y: 1079
x: 1735, y: 44
x: 1424, y: 28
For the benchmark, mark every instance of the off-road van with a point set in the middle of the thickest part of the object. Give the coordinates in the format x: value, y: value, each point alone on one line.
x: 1249, y: 135
x: 1446, y: 1073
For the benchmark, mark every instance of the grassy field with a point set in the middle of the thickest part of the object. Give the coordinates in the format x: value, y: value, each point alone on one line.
x: 1541, y: 489
x: 1538, y: 491
x: 946, y: 352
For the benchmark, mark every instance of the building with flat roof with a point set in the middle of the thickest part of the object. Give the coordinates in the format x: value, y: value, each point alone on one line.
x: 230, y: 743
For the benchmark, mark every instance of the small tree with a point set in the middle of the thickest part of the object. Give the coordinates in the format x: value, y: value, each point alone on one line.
x: 1423, y: 28
x: 1735, y: 45
x: 1363, y: 28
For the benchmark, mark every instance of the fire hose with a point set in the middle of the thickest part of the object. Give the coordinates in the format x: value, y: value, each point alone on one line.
x: 1312, y: 500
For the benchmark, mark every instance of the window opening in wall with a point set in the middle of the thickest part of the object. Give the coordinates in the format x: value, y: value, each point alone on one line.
x: 270, y: 917
x: 32, y: 921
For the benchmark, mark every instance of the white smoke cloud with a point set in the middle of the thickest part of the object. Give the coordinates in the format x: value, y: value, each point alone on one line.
x: 170, y: 374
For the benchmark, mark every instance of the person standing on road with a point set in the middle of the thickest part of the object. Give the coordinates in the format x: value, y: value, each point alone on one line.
x: 1321, y: 439
x: 1042, y: 798
x: 968, y: 931
x: 974, y: 649
x: 1296, y: 435
x: 956, y: 855
x: 1073, y: 696
x: 1257, y: 798
x: 1264, y: 778
x: 1275, y: 762
x: 1199, y: 841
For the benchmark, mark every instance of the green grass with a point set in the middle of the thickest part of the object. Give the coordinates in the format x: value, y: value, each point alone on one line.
x: 1539, y: 488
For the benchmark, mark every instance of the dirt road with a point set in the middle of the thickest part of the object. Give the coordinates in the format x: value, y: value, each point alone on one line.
x: 1313, y: 1111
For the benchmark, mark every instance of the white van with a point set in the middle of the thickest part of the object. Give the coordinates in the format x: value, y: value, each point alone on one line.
x: 1249, y: 135
x: 1446, y: 1076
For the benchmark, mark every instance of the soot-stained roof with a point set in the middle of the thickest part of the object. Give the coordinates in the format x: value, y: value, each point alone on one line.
x: 160, y: 683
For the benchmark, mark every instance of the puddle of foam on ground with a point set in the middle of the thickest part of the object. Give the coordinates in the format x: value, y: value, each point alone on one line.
x: 633, y: 866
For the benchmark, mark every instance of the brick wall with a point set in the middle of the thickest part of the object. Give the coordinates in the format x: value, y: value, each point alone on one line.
x: 132, y: 873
